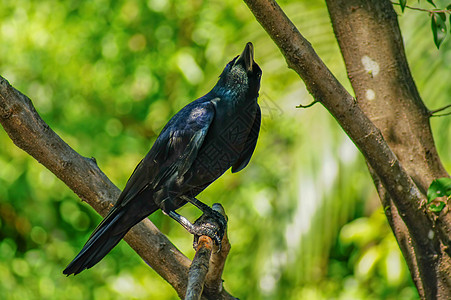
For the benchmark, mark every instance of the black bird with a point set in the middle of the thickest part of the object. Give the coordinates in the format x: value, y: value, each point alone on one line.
x: 198, y: 144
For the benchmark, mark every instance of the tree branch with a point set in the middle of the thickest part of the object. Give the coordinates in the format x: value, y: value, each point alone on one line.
x: 199, y: 268
x: 426, y: 238
x: 213, y: 281
x: 29, y: 132
x: 308, y: 105
x: 431, y: 11
x: 205, y: 273
x: 432, y: 113
x: 326, y: 89
x: 370, y: 40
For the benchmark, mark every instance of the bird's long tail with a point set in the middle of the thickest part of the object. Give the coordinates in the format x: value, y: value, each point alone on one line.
x: 108, y: 234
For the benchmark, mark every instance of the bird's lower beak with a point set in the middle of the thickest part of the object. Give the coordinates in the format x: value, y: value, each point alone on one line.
x: 247, y: 57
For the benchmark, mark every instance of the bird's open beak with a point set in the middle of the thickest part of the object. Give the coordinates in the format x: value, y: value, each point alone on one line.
x: 247, y: 57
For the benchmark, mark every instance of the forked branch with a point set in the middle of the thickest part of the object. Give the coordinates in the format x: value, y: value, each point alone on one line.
x: 327, y: 90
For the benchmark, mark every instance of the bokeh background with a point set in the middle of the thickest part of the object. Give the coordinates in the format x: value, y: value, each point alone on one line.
x: 304, y: 218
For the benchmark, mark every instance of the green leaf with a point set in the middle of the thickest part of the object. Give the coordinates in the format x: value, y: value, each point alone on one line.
x: 402, y: 3
x: 438, y: 27
x: 439, y: 188
x: 432, y: 2
x: 437, y: 207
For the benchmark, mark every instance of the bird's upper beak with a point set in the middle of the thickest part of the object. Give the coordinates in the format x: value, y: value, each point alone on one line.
x: 246, y: 59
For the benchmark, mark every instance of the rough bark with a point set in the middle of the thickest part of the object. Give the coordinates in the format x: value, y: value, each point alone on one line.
x: 199, y: 269
x: 372, y: 47
x: 82, y: 175
x: 422, y: 237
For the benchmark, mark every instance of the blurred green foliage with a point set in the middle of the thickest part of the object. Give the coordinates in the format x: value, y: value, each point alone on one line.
x: 304, y: 218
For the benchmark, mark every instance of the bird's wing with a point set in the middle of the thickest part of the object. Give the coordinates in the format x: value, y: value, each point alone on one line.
x: 182, y: 149
x: 174, y: 151
x: 249, y: 147
x: 135, y: 184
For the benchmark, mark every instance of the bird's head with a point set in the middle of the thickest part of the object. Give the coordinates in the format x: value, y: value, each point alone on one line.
x: 241, y: 75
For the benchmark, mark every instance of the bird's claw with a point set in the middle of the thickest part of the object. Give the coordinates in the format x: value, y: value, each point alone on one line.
x: 207, y: 230
x: 212, y: 224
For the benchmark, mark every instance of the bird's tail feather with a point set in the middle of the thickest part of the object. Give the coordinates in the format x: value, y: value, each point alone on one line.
x: 108, y: 234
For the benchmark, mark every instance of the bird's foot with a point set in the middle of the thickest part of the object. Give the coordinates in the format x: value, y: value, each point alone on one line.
x: 212, y: 224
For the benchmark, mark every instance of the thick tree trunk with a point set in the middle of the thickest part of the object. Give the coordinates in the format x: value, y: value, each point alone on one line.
x: 388, y: 123
x: 372, y: 47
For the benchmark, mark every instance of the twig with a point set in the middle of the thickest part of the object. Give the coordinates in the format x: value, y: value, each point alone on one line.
x: 442, y: 115
x: 431, y: 11
x: 308, y: 105
x: 432, y: 112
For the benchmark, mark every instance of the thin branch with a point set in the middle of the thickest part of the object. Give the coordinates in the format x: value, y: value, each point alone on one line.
x: 432, y: 112
x: 442, y: 115
x: 82, y: 175
x: 308, y: 105
x: 431, y: 11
